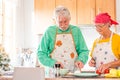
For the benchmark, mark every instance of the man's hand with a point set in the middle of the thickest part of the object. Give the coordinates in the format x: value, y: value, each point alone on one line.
x: 79, y: 65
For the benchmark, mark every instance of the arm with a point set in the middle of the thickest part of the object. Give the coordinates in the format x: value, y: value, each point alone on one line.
x: 45, y: 47
x: 82, y: 49
x: 112, y: 64
x: 81, y: 46
x: 92, y: 61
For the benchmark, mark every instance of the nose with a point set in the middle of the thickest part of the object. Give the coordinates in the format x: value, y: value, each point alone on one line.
x: 63, y: 24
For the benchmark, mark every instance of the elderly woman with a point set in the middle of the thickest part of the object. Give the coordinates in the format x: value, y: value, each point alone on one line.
x: 63, y: 43
x: 106, y: 49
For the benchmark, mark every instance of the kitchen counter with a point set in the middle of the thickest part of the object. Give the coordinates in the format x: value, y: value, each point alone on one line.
x: 70, y: 78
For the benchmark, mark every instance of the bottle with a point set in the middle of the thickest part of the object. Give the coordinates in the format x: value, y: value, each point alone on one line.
x: 57, y: 70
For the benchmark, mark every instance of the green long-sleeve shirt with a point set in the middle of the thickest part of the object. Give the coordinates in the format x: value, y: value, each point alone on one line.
x: 47, y: 42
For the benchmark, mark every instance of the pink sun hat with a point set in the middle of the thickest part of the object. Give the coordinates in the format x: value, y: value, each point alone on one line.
x: 104, y: 18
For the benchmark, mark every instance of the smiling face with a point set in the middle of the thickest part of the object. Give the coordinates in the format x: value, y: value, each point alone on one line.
x: 62, y: 17
x: 63, y: 22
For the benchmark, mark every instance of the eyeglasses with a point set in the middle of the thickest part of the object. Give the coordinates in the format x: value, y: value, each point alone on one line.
x: 100, y: 25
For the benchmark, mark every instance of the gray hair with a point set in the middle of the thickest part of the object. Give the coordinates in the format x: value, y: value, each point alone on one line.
x: 61, y: 10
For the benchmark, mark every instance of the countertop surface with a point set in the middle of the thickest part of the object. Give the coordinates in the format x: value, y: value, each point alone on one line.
x: 65, y: 78
x: 68, y: 77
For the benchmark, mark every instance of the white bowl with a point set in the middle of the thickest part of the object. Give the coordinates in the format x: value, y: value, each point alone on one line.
x: 63, y: 72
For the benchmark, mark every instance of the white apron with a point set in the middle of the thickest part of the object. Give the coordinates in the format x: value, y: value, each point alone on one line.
x: 103, y: 53
x: 64, y: 50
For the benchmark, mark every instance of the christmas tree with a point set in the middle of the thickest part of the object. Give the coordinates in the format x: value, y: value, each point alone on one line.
x: 4, y: 60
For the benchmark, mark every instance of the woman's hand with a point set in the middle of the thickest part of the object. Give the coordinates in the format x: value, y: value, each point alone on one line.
x: 92, y: 62
x: 79, y: 64
x: 103, y: 67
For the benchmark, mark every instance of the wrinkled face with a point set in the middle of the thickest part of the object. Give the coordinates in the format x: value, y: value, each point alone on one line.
x: 63, y: 22
x: 101, y: 28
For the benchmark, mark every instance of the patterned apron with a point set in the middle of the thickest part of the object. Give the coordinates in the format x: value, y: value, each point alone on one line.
x: 103, y: 53
x: 64, y: 50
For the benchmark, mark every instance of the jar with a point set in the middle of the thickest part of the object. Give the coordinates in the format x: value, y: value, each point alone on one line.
x: 57, y: 70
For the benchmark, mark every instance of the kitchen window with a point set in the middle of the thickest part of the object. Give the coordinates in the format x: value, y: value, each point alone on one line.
x: 7, y: 8
x: 1, y: 20
x: 12, y: 32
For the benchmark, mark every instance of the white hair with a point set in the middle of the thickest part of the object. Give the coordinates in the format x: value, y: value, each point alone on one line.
x: 61, y: 10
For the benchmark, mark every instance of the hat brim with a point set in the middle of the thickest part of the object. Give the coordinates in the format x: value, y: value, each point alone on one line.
x: 113, y: 22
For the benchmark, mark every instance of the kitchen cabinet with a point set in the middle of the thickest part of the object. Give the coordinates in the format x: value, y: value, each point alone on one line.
x: 82, y: 11
x: 85, y: 11
x: 88, y: 9
x: 43, y: 10
x: 106, y: 6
